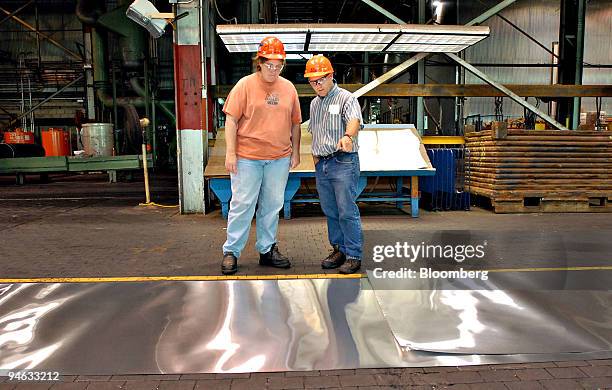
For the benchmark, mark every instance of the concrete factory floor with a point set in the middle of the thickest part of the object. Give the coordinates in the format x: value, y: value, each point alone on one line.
x: 82, y: 226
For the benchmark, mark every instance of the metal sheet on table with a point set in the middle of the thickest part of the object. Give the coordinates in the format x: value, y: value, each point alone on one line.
x: 381, y: 148
x: 478, y: 317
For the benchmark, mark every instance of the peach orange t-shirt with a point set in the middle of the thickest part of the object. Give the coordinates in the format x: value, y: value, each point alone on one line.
x: 265, y: 114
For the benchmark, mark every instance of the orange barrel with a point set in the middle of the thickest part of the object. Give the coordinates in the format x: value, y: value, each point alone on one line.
x: 56, y: 142
x: 18, y: 137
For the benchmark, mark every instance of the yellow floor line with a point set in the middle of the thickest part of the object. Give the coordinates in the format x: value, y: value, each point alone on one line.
x: 262, y: 277
x: 535, y: 269
x: 178, y: 278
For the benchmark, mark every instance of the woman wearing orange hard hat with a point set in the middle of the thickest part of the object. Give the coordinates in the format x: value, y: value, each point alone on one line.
x: 262, y: 136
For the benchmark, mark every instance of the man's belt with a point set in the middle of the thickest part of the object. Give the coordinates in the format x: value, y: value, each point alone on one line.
x: 334, y: 154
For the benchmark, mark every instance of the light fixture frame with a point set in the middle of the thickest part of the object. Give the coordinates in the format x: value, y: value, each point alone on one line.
x: 387, y: 38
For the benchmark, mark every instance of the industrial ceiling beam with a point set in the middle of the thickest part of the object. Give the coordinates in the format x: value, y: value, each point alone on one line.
x: 415, y: 59
x: 44, y: 36
x: 490, y: 12
x: 505, y: 90
x: 383, y: 11
x: 402, y: 90
x: 16, y: 11
x: 401, y: 68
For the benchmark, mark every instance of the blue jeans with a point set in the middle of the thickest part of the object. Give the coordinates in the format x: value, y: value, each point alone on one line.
x: 261, y: 183
x: 337, y: 182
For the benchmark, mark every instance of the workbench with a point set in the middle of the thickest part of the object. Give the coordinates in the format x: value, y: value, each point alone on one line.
x: 395, y: 165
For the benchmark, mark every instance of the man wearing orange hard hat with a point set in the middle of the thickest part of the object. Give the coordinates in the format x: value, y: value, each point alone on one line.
x: 262, y: 137
x: 335, y: 121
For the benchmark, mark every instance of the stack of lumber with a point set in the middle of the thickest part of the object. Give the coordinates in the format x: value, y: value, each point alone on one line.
x: 541, y: 171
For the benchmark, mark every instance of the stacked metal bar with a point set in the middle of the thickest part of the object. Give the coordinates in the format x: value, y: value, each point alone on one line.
x: 541, y: 171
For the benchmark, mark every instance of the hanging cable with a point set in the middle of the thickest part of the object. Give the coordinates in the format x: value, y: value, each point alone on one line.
x: 340, y: 13
x: 598, y: 124
x: 499, y: 108
x: 234, y: 19
x: 433, y: 118
x: 530, y: 117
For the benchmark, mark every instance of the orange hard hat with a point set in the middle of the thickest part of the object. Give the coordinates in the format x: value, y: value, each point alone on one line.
x: 318, y: 65
x: 271, y: 48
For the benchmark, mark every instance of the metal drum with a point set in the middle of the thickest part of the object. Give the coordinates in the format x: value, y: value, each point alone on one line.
x: 97, y: 139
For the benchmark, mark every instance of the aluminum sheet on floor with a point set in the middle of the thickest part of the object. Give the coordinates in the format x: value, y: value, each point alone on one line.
x: 182, y: 327
x: 209, y: 327
x: 468, y: 316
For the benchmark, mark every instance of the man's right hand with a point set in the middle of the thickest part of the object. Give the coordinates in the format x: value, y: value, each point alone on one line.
x: 231, y: 163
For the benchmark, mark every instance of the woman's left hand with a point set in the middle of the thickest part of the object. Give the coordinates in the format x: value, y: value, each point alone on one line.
x: 295, y: 160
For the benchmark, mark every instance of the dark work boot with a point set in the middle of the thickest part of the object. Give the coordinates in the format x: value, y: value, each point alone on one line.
x: 350, y: 266
x: 334, y: 260
x: 229, y: 265
x: 274, y: 258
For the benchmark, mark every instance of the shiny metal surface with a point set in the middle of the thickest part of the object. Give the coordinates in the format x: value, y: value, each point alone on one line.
x: 174, y: 327
x: 480, y: 317
x: 221, y: 326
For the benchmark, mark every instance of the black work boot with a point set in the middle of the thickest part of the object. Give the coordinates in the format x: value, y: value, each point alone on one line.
x: 229, y: 265
x: 334, y: 260
x: 274, y: 258
x: 350, y: 266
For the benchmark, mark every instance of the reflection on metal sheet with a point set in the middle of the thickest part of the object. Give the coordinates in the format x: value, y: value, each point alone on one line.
x: 442, y: 317
x: 224, y: 326
x: 233, y: 326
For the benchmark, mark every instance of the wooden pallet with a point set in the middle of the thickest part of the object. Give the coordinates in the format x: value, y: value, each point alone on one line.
x: 596, y: 204
x: 541, y: 171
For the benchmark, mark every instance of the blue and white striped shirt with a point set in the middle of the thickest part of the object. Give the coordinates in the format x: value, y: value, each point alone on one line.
x: 328, y: 118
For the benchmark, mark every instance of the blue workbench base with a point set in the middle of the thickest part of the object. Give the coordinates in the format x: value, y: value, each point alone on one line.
x: 221, y: 187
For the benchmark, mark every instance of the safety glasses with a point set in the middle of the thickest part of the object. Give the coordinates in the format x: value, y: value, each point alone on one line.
x: 318, y: 82
x: 273, y: 68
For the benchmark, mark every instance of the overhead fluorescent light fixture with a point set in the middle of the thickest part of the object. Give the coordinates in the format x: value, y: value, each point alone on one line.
x: 316, y: 38
x: 424, y: 48
x: 440, y: 39
x: 252, y: 47
x: 318, y: 47
x: 234, y: 39
x: 351, y: 38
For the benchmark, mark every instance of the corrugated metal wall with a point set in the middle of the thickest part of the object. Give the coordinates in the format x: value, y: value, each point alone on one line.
x: 541, y: 20
x: 598, y: 45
